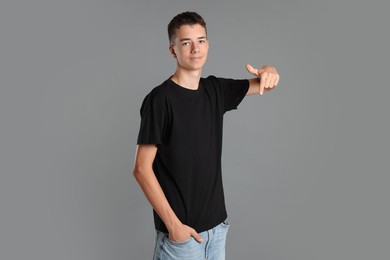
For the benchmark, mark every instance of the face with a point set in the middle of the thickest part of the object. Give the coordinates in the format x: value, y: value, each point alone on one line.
x: 190, y: 47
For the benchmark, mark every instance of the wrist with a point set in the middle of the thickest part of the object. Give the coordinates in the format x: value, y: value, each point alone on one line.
x: 173, y: 225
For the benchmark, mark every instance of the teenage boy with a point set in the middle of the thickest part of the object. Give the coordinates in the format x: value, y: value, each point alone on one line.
x: 178, y: 157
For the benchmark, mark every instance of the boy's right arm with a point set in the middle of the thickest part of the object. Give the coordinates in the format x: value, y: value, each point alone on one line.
x: 143, y: 173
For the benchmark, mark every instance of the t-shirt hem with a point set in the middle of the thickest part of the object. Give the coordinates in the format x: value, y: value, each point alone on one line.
x: 198, y: 229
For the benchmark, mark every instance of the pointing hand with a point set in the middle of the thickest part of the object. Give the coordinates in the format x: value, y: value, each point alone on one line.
x: 269, y: 77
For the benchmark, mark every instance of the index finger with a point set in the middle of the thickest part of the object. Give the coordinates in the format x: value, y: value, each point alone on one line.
x: 262, y: 83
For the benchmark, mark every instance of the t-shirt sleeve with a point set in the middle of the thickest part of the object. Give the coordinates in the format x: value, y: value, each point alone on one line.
x: 234, y: 91
x: 153, y: 120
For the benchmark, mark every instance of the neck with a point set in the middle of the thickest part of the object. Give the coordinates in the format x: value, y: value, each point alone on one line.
x: 187, y: 79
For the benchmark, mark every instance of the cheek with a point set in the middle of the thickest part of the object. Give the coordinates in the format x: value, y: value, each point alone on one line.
x: 182, y: 52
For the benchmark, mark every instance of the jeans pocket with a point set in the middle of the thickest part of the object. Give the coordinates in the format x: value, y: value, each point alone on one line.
x: 182, y: 243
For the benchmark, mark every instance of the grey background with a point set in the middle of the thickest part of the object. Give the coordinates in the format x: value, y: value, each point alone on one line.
x: 306, y: 167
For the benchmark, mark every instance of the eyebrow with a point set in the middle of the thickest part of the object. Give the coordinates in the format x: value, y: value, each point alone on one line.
x: 188, y: 39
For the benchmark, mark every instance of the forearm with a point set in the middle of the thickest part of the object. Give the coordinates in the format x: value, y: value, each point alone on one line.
x: 155, y: 195
x: 254, y: 86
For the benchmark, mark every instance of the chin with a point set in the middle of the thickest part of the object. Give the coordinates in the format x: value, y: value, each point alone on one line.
x: 197, y: 66
x: 192, y: 67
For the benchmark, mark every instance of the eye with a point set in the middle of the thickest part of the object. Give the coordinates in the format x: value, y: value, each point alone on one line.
x: 185, y: 43
x: 202, y: 41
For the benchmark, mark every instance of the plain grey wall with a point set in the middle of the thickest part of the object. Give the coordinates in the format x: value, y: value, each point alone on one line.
x: 306, y: 167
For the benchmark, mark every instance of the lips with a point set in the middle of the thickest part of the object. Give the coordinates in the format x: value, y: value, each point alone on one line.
x: 196, y: 58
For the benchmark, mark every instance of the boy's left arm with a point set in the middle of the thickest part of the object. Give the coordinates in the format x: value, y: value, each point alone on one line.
x: 266, y: 79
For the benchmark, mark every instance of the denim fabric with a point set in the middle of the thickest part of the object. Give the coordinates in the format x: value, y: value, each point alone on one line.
x: 212, y: 248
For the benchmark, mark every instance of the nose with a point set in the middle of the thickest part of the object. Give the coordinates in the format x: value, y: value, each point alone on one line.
x: 195, y: 48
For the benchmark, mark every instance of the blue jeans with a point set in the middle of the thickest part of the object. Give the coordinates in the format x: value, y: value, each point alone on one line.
x: 212, y: 248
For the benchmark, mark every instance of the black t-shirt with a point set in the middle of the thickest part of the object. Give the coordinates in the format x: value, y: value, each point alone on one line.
x: 186, y: 125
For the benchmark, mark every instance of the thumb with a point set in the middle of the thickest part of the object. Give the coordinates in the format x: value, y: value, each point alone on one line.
x: 252, y: 70
x: 196, y: 236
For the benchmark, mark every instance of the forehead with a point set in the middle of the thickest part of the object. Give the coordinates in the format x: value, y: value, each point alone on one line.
x: 190, y: 31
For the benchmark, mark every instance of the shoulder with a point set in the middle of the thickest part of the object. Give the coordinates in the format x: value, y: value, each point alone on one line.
x: 157, y: 93
x: 156, y: 97
x: 221, y: 83
x: 210, y: 79
x: 222, y: 80
x: 211, y: 82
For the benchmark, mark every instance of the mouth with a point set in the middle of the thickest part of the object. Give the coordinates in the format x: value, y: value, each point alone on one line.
x: 196, y: 58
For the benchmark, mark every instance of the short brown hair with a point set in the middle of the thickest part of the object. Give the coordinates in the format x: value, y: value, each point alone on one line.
x: 186, y: 18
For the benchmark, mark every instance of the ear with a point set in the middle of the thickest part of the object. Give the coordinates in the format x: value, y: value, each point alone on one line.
x: 172, y: 51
